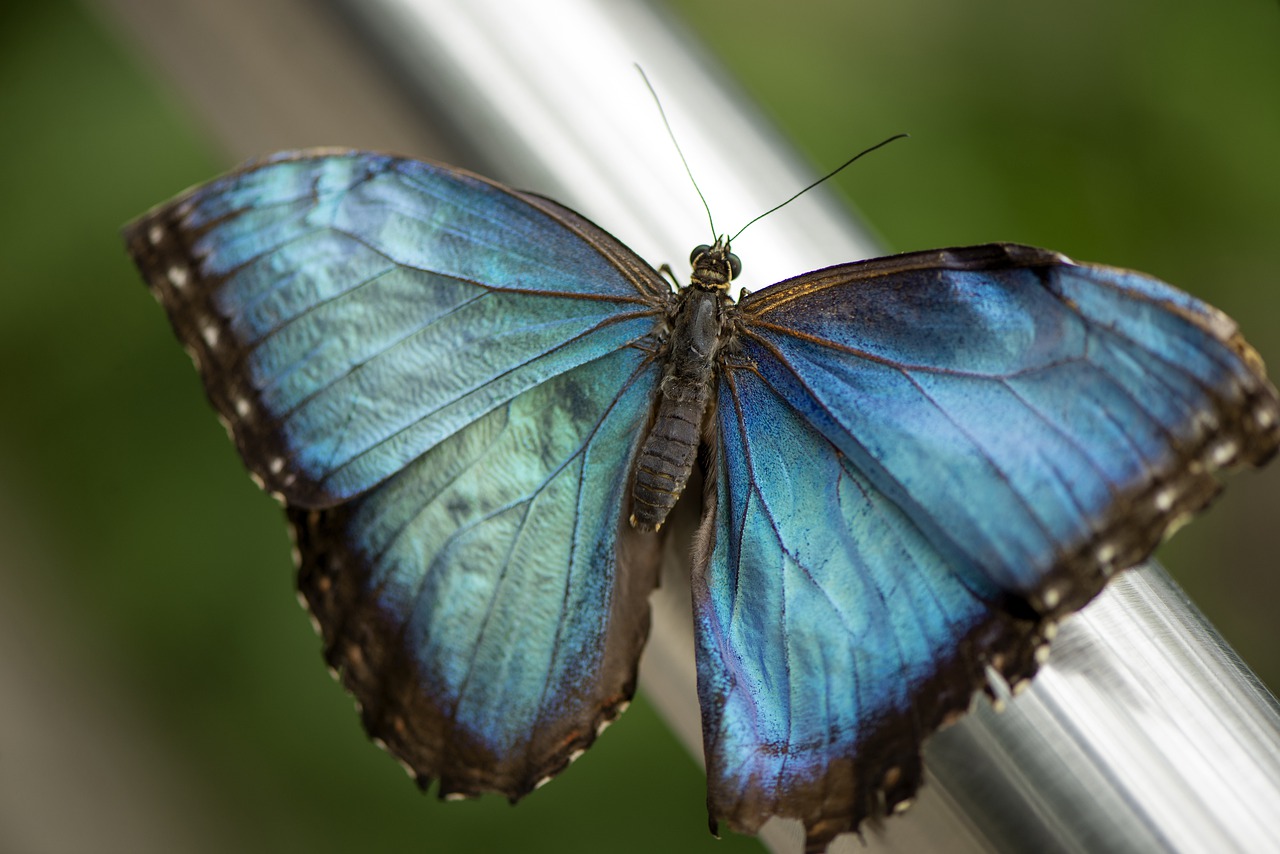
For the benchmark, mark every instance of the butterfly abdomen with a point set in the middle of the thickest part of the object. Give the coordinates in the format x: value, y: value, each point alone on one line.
x: 667, y: 458
x: 670, y: 447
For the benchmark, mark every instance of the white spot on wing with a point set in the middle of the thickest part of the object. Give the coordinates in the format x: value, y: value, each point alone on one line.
x: 242, y: 406
x: 1165, y: 498
x: 155, y: 234
x: 1206, y: 421
x: 209, y: 333
x: 179, y: 276
x: 1223, y: 452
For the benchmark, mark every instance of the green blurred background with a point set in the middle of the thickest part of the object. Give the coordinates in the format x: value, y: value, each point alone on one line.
x: 159, y: 687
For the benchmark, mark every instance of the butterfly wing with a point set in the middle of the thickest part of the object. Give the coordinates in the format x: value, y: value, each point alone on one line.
x: 487, y: 605
x: 921, y: 463
x: 349, y: 310
x: 443, y: 379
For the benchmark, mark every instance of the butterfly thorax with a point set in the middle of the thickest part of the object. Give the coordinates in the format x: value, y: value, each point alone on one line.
x: 670, y: 446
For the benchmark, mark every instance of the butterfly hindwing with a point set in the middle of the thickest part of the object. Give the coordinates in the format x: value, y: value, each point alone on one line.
x: 443, y: 379
x: 488, y: 604
x: 833, y: 636
x: 921, y: 463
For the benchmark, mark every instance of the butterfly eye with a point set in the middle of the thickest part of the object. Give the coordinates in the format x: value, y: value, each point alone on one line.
x: 735, y: 266
x: 698, y: 250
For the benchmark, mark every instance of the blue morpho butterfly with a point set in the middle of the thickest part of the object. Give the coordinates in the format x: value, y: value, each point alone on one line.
x: 478, y: 407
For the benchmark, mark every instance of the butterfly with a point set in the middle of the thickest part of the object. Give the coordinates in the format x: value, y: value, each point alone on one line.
x: 478, y: 409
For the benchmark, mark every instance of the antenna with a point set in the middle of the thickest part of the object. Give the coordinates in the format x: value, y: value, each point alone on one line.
x: 830, y: 174
x: 692, y: 180
x: 676, y: 143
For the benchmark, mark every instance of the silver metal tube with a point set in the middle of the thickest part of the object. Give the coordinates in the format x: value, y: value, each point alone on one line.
x: 1144, y: 731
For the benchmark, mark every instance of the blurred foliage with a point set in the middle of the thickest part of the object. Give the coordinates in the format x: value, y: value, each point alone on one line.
x: 1138, y: 133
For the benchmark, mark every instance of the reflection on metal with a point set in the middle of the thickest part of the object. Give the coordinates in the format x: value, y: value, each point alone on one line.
x: 1144, y: 732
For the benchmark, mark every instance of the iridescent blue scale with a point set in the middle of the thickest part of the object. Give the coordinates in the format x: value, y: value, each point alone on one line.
x: 914, y: 466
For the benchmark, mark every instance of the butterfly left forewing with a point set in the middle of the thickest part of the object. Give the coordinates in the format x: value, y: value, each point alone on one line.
x: 348, y: 310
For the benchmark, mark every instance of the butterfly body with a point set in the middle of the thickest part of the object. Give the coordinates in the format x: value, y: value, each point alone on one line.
x: 478, y: 408
x: 697, y: 334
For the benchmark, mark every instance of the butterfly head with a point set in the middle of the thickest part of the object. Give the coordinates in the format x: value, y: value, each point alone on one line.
x: 714, y: 267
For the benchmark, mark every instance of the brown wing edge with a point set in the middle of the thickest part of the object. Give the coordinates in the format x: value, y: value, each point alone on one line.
x: 987, y: 256
x: 648, y: 283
